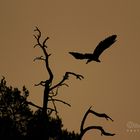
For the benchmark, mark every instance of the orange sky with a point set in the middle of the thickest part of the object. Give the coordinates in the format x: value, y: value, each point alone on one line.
x: 77, y: 25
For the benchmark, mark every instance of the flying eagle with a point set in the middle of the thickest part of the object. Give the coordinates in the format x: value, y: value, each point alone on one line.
x: 104, y: 44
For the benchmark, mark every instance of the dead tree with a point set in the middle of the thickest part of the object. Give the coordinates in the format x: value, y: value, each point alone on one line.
x: 84, y: 130
x: 50, y: 91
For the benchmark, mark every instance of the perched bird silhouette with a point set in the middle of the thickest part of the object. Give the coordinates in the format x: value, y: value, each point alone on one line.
x: 103, y: 45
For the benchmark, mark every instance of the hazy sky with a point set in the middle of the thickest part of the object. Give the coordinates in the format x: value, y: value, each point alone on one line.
x: 77, y: 25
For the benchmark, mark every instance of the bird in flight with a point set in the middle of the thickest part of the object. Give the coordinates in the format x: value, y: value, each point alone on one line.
x: 103, y: 45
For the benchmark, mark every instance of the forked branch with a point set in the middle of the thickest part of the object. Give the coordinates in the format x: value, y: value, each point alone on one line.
x: 66, y: 77
x: 38, y: 36
x: 43, y: 46
x: 84, y: 130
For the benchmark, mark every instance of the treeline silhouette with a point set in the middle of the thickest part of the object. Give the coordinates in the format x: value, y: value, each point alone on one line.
x: 17, y: 119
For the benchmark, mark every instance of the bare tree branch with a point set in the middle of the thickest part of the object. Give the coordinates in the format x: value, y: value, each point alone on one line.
x: 103, y: 115
x: 64, y: 84
x: 84, y: 130
x: 52, y: 99
x: 65, y: 77
x: 30, y: 103
x: 36, y: 44
x: 44, y: 42
x: 103, y: 132
x: 42, y: 83
x: 84, y: 119
x: 50, y: 110
x: 46, y: 60
x: 78, y: 76
x: 39, y: 58
x: 53, y: 102
x: 37, y: 37
x: 56, y: 92
x: 55, y: 108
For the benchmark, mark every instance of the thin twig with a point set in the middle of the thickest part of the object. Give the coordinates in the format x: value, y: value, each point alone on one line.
x: 42, y: 83
x: 55, y: 108
x: 44, y: 42
x: 56, y: 92
x: 39, y: 58
x: 30, y: 103
x: 78, y: 76
x: 58, y: 100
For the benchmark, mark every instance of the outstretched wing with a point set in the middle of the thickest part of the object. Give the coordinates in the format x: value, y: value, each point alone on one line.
x: 80, y: 55
x: 104, y: 44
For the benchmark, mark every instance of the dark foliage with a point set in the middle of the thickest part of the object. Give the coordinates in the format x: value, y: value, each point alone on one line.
x: 18, y: 120
x: 14, y: 111
x: 55, y: 130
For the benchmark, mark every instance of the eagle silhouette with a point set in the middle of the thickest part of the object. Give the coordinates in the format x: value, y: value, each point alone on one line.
x: 103, y: 45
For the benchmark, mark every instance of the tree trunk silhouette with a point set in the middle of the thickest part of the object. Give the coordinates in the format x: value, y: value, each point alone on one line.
x: 48, y: 87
